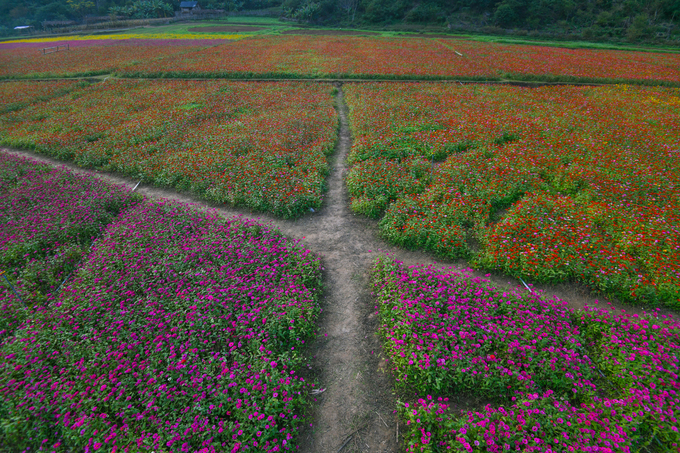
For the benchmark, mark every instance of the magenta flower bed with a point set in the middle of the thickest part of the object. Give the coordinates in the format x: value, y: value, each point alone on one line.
x: 180, y: 332
x: 561, y: 379
x: 49, y: 218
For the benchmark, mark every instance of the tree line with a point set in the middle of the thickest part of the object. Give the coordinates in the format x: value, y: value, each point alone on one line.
x: 631, y: 20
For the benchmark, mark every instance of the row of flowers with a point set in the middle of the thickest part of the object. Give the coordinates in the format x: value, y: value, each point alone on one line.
x: 554, y: 378
x: 189, y: 54
x: 550, y: 184
x: 262, y: 146
x: 180, y: 331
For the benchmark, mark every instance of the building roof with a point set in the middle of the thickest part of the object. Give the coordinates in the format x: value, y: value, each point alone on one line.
x: 188, y: 4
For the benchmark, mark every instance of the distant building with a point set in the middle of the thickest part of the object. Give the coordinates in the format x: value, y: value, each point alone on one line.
x: 193, y: 11
x: 189, y: 7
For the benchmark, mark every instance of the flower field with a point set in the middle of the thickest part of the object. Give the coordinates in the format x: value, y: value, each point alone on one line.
x: 130, y: 325
x: 15, y: 96
x: 528, y: 62
x: 262, y: 146
x: 50, y: 218
x: 30, y: 62
x: 191, y: 345
x: 321, y: 56
x: 559, y: 379
x: 550, y: 184
x: 286, y: 56
x: 315, y: 56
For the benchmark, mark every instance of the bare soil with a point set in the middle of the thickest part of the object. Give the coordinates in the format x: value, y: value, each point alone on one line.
x: 436, y: 35
x: 329, y: 32
x: 225, y: 29
x: 356, y: 410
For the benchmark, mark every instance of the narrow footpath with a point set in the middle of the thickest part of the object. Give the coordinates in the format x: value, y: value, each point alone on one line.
x: 354, y: 407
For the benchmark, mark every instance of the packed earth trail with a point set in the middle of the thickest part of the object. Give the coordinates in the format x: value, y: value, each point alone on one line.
x: 353, y: 408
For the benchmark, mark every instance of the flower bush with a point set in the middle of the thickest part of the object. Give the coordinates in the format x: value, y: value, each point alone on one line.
x: 181, y: 332
x: 560, y: 379
x: 262, y: 146
x: 549, y: 184
x: 50, y: 218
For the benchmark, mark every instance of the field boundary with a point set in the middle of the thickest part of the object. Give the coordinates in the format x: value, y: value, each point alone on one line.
x: 341, y: 80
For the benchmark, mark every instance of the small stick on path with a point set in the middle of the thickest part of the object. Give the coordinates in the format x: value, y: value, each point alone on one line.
x: 344, y: 443
x: 350, y: 435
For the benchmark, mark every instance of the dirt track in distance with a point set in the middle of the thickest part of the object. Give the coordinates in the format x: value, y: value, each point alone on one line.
x: 225, y: 29
x: 329, y: 32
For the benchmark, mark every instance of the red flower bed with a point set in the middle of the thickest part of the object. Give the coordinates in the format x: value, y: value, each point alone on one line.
x: 330, y: 56
x: 79, y: 60
x: 17, y: 95
x: 551, y: 184
x: 412, y: 58
x: 263, y: 146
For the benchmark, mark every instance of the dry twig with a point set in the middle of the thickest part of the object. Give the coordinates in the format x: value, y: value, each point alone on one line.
x: 350, y: 435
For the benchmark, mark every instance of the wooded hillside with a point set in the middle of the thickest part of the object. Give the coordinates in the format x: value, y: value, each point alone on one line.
x: 617, y: 20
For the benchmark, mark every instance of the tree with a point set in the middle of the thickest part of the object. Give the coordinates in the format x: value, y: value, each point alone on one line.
x: 640, y: 28
x: 143, y: 9
x: 80, y: 7
x: 350, y: 7
x: 425, y: 13
x: 307, y: 11
x: 506, y: 15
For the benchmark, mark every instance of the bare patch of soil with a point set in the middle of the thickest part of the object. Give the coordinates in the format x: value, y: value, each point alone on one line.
x: 428, y: 35
x: 225, y: 29
x: 329, y: 32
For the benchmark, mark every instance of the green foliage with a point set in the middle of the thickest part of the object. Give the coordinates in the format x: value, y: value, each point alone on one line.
x: 374, y: 184
x: 41, y: 278
x: 507, y: 137
x: 507, y: 14
x: 143, y: 9
x: 633, y: 20
x: 80, y: 7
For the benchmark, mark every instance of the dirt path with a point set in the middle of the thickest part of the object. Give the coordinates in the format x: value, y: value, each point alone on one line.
x: 347, y: 360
